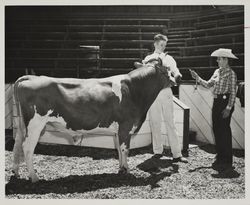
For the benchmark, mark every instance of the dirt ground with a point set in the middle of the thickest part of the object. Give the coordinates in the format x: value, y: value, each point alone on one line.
x: 90, y: 173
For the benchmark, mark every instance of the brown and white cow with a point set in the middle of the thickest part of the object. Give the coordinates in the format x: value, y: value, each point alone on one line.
x: 85, y: 104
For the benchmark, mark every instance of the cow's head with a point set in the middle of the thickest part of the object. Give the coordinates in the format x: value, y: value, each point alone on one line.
x: 162, y: 71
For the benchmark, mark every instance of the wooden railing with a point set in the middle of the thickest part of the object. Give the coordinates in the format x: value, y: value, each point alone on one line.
x: 186, y: 112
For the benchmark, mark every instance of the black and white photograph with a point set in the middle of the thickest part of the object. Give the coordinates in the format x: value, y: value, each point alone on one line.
x: 125, y: 101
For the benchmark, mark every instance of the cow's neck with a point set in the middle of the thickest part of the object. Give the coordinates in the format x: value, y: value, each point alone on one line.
x: 146, y: 83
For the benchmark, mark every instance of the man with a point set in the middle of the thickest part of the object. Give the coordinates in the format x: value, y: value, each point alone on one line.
x: 164, y: 104
x: 224, y: 86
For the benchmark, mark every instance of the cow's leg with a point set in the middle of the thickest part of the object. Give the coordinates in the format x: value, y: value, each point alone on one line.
x: 35, y: 127
x: 18, y: 150
x: 124, y: 144
x: 117, y: 146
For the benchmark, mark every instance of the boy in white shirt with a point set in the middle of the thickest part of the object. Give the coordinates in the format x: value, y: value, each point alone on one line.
x: 164, y: 104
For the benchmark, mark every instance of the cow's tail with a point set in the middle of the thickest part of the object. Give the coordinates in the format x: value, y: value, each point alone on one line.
x: 20, y: 133
x: 19, y: 80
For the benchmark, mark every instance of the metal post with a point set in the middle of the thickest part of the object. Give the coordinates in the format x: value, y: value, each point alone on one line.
x: 185, y: 132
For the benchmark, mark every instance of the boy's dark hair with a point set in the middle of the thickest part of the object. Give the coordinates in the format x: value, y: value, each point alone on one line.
x: 160, y: 37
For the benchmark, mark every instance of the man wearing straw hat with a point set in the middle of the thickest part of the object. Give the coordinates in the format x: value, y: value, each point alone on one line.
x: 224, y: 86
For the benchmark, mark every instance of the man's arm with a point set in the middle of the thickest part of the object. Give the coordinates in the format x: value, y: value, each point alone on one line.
x: 233, y: 90
x: 171, y: 63
x: 208, y: 83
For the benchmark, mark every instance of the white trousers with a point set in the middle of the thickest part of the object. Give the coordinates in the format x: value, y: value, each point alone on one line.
x: 164, y: 106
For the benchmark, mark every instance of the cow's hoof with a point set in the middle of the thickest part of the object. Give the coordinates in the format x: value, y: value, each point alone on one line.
x: 123, y: 170
x: 34, y: 179
x: 16, y: 174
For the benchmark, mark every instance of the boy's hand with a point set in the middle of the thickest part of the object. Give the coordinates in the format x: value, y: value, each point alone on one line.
x: 225, y: 113
x: 194, y: 74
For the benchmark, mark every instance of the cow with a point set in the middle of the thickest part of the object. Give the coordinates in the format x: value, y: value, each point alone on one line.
x: 241, y: 93
x: 85, y: 104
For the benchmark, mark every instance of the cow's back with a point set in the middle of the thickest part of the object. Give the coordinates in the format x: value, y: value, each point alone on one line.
x: 83, y: 104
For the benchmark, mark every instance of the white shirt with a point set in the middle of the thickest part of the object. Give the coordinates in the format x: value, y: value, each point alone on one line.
x: 167, y: 61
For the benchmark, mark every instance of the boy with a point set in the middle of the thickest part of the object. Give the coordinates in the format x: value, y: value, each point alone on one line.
x: 224, y: 83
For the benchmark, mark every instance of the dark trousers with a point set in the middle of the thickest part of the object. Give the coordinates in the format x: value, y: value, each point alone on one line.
x: 222, y: 130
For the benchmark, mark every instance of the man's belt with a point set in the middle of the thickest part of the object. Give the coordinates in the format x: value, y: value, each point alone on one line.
x: 222, y: 96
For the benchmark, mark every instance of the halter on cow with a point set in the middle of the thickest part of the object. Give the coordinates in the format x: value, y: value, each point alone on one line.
x: 85, y: 104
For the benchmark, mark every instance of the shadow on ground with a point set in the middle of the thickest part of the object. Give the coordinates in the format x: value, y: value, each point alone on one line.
x: 211, y: 149
x: 229, y: 174
x: 155, y: 165
x: 81, y: 184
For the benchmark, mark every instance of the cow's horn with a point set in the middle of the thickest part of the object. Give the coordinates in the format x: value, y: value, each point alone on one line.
x: 159, y: 61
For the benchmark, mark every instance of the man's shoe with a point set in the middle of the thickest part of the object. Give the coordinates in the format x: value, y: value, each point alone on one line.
x: 157, y: 156
x: 222, y: 166
x: 216, y: 163
x: 180, y: 159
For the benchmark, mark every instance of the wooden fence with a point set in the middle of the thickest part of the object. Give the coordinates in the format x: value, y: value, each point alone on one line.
x: 200, y: 102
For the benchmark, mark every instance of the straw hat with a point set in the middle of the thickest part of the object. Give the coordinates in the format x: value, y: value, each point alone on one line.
x: 224, y: 52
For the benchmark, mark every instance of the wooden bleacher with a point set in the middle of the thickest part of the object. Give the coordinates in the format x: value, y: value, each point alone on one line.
x: 224, y: 31
x: 218, y: 30
x: 206, y: 49
x: 50, y: 44
x: 218, y: 23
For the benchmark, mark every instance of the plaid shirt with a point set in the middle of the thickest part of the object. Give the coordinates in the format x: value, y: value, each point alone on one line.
x: 223, y: 81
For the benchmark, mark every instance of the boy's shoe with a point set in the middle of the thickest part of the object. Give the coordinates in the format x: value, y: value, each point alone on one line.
x: 180, y: 159
x: 219, y: 166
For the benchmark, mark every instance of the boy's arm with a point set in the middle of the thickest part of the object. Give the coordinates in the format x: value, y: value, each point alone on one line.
x: 204, y: 83
x: 208, y: 83
x: 233, y: 89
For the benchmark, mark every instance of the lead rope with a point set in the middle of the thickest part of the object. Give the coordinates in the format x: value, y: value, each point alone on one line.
x: 196, y: 84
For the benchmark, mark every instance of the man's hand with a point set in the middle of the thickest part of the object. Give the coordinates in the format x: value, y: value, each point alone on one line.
x: 194, y: 74
x: 138, y: 65
x: 178, y: 79
x: 226, y: 113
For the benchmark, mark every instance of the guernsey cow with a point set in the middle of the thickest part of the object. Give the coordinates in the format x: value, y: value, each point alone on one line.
x: 85, y: 104
x: 241, y: 93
